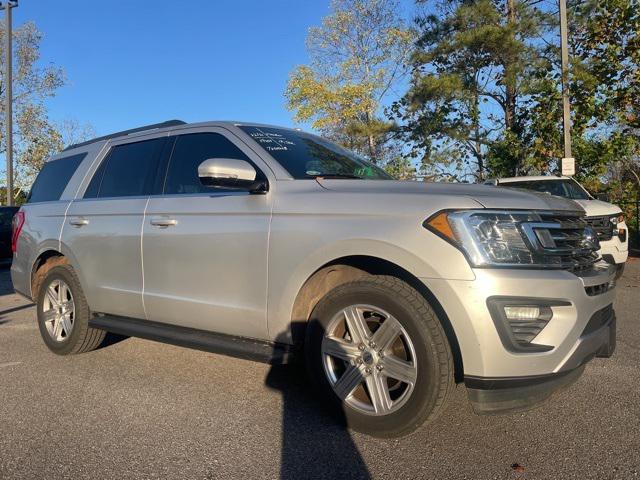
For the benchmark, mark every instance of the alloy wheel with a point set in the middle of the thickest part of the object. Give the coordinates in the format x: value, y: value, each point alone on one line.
x: 369, y: 359
x: 58, y: 310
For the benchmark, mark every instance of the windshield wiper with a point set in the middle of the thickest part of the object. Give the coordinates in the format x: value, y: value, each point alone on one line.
x: 335, y: 175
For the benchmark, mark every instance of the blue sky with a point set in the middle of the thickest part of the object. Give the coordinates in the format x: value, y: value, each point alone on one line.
x: 130, y: 63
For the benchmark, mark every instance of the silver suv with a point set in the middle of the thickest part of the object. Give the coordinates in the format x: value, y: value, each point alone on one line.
x: 273, y: 244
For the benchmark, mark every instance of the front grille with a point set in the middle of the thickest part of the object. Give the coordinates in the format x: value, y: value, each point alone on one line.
x: 602, y: 225
x: 564, y: 239
x: 593, y: 290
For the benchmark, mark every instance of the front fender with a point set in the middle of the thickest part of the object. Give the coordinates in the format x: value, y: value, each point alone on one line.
x: 285, y: 283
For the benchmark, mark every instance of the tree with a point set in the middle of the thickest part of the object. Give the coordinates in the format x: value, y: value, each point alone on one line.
x: 604, y: 88
x: 35, y: 136
x: 472, y: 67
x: 357, y: 57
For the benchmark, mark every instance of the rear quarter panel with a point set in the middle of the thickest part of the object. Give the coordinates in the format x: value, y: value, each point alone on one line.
x: 40, y: 232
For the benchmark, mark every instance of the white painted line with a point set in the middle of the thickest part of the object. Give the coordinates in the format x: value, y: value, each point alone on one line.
x: 9, y: 364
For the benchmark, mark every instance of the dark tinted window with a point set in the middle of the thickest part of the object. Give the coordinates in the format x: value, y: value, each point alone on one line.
x: 129, y: 170
x: 189, y: 152
x: 309, y: 156
x: 560, y: 188
x: 94, y: 186
x: 53, y: 178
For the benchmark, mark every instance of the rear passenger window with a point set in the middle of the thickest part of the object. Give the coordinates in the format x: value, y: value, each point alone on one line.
x: 190, y: 151
x: 127, y: 171
x: 53, y: 178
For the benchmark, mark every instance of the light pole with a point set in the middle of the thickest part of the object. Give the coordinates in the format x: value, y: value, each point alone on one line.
x: 8, y: 117
x: 568, y: 162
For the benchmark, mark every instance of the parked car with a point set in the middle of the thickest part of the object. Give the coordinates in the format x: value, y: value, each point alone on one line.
x: 605, y: 218
x: 274, y: 244
x: 6, y: 221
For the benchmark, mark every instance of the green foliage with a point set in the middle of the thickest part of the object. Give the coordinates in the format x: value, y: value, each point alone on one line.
x: 400, y: 168
x: 604, y: 88
x: 357, y: 55
x: 472, y: 71
x: 485, y: 94
x: 35, y: 136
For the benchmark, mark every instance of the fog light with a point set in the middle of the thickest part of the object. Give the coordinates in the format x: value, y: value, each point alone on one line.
x: 527, y: 321
x: 519, y: 320
x: 521, y: 312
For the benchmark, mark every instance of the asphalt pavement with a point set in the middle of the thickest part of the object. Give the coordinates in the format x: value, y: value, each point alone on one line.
x: 138, y: 409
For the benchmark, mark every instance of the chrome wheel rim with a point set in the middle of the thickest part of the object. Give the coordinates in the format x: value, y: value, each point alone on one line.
x: 369, y: 359
x: 58, y: 310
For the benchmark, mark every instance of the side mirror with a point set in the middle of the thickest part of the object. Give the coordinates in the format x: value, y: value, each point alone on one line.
x: 603, y: 197
x: 230, y: 173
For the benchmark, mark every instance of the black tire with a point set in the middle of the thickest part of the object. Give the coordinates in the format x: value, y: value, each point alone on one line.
x: 619, y: 270
x: 435, y: 366
x: 82, y: 338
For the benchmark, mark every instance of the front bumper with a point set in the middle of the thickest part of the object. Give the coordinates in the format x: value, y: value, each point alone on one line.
x: 502, y: 395
x: 571, y: 337
x: 616, y: 250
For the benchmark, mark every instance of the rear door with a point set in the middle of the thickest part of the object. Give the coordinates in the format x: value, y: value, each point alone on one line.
x: 103, y: 228
x: 205, y: 249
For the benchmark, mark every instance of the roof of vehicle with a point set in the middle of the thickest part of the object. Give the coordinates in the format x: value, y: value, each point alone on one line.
x: 532, y: 178
x: 167, y: 125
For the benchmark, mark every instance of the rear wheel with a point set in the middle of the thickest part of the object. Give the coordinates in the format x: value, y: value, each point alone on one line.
x: 63, y: 313
x: 376, y: 348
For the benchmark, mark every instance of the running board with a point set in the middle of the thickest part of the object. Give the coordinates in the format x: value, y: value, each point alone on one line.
x: 239, y: 347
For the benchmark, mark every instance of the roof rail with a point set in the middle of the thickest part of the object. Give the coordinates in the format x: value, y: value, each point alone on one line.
x: 153, y: 126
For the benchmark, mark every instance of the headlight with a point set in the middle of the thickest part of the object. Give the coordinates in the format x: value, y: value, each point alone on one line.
x: 515, y: 239
x: 617, y: 219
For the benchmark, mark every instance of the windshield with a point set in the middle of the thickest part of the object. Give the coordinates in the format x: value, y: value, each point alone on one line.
x: 561, y: 188
x: 308, y: 156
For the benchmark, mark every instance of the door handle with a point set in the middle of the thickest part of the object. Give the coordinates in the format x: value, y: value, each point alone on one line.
x: 163, y: 222
x: 78, y: 222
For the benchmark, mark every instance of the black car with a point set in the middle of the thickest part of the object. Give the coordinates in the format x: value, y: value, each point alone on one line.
x: 6, y: 217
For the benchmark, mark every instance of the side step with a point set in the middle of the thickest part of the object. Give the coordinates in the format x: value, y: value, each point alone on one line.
x: 240, y: 347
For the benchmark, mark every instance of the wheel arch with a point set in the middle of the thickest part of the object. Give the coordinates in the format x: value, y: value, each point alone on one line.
x: 39, y: 261
x: 49, y: 252
x: 348, y: 268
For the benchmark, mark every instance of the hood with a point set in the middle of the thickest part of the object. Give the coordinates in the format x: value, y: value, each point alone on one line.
x: 487, y: 196
x: 598, y: 207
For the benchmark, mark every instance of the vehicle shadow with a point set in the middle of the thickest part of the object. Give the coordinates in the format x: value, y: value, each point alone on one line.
x: 111, y: 339
x: 316, y: 443
x: 6, y: 287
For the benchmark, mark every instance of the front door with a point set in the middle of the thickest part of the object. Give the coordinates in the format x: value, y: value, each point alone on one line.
x: 205, y: 249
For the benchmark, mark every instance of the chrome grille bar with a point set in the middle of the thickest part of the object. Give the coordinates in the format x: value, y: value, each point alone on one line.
x: 568, y: 239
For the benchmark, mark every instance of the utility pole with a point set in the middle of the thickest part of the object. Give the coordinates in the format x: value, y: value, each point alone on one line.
x: 568, y: 162
x: 8, y: 116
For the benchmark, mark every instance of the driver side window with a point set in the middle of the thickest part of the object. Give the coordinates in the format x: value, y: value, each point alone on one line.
x: 189, y: 152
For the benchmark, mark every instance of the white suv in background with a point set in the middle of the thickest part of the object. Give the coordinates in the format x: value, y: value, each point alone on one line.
x: 605, y: 218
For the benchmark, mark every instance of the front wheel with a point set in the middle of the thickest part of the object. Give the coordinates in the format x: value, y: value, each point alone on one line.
x: 377, y: 350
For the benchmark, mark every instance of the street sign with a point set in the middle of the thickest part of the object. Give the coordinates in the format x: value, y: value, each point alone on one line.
x: 568, y: 166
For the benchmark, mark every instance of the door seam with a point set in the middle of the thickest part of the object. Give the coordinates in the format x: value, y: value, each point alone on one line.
x: 266, y: 298
x: 144, y: 217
